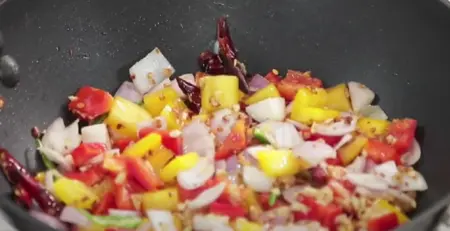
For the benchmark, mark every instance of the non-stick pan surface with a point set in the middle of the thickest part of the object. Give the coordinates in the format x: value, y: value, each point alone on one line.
x: 401, y: 49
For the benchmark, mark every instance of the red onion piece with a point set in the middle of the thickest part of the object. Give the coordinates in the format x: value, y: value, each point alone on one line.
x: 49, y: 220
x: 128, y: 91
x: 74, y: 216
x: 257, y: 82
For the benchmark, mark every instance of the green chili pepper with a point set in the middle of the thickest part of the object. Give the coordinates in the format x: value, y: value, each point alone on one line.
x: 100, y: 119
x: 124, y: 222
x: 47, y: 163
x: 274, y: 194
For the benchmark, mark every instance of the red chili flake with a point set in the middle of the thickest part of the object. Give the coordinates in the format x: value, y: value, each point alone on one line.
x: 2, y: 102
x: 119, y: 126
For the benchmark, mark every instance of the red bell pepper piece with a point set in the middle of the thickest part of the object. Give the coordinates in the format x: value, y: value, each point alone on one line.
x: 383, y: 223
x: 186, y: 194
x: 325, y: 214
x: 227, y: 210
x: 18, y: 175
x: 330, y: 140
x: 106, y: 202
x: 134, y: 186
x: 381, y: 152
x: 90, y: 177
x: 295, y: 80
x: 402, y: 131
x: 273, y: 77
x: 333, y: 161
x: 90, y: 103
x: 122, y: 198
x: 143, y: 173
x: 123, y: 143
x: 235, y: 142
x: 85, y: 152
x: 171, y: 141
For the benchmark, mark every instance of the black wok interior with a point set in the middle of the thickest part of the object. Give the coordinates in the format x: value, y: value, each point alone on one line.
x: 400, y: 49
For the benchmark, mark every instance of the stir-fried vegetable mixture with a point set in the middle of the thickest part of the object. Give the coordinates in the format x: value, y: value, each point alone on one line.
x: 222, y: 150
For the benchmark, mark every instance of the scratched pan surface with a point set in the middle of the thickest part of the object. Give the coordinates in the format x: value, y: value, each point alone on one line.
x: 400, y: 49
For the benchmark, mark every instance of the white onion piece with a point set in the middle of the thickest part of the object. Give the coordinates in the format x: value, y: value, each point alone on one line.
x: 56, y: 157
x: 207, y: 197
x: 123, y: 213
x: 49, y: 220
x: 402, y: 197
x: 129, y: 92
x: 196, y: 138
x: 289, y: 107
x: 286, y: 136
x: 54, y: 135
x: 257, y: 179
x: 254, y: 150
x: 370, y: 164
x: 73, y: 216
x: 72, y: 138
x: 188, y: 78
x: 374, y: 112
x: 211, y: 222
x: 165, y: 83
x: 159, y: 123
x: 56, y: 126
x: 222, y: 122
x: 366, y: 180
x: 344, y: 140
x: 291, y: 194
x: 161, y: 220
x: 387, y: 171
x: 268, y: 109
x: 358, y: 165
x: 314, y: 152
x: 298, y: 125
x: 412, y: 156
x: 360, y: 95
x: 146, y: 226
x: 196, y: 176
x: 416, y: 182
x: 97, y: 133
x: 150, y: 70
x: 339, y: 128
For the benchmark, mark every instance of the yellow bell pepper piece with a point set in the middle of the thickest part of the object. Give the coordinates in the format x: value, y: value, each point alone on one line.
x: 350, y: 151
x: 385, y: 205
x: 339, y: 98
x: 310, y: 97
x: 178, y: 222
x: 278, y: 163
x: 242, y: 224
x: 180, y: 163
x: 251, y: 202
x: 219, y: 92
x: 159, y: 158
x: 308, y: 115
x: 166, y: 199
x: 74, y: 193
x: 270, y: 91
x: 372, y: 127
x: 40, y: 177
x: 173, y: 112
x: 124, y: 117
x: 242, y: 95
x: 155, y: 102
x: 151, y: 142
x: 112, y: 164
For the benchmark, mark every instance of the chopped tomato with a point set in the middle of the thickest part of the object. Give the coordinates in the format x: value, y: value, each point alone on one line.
x: 264, y: 201
x: 170, y: 141
x: 381, y: 152
x: 273, y: 77
x: 383, y: 223
x: 295, y: 80
x: 90, y: 103
x: 90, y: 177
x: 123, y: 143
x: 134, y: 187
x: 143, y: 173
x: 333, y: 161
x: 85, y: 152
x: 328, y: 215
x: 106, y: 202
x: 325, y: 214
x: 235, y: 142
x: 229, y: 210
x: 402, y: 132
x: 192, y: 194
x: 123, y: 198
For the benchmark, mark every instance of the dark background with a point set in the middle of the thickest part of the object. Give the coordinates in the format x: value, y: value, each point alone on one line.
x: 399, y: 48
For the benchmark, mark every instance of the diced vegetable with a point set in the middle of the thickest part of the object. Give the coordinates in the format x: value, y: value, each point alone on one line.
x: 381, y: 152
x: 90, y: 103
x: 235, y: 142
x: 159, y: 158
x: 401, y: 134
x: 308, y: 115
x: 270, y: 91
x: 314, y: 152
x: 373, y: 127
x: 150, y: 70
x: 180, y: 163
x: 86, y: 152
x: 75, y: 193
x: 187, y: 77
x: 310, y: 97
x: 174, y: 113
x: 373, y: 112
x: 278, y: 163
x: 161, y: 220
x: 129, y: 92
x: 279, y: 134
x: 294, y: 81
x: 196, y: 176
x: 166, y: 199
x: 124, y: 117
x: 256, y: 179
x: 97, y: 133
x: 242, y: 224
x: 360, y: 95
x: 383, y: 222
x: 143, y: 173
x: 151, y: 142
x: 228, y: 210
x: 351, y: 150
x: 338, y: 98
x: 207, y: 197
x: 155, y: 102
x: 171, y: 140
x: 219, y: 92
x: 268, y: 109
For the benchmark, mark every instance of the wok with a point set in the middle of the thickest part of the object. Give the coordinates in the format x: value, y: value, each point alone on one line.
x: 399, y: 48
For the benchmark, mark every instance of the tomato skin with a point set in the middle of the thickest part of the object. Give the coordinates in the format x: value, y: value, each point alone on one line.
x: 295, y: 80
x: 273, y: 77
x: 227, y: 210
x: 86, y: 151
x: 175, y: 144
x: 186, y: 194
x: 90, y: 177
x: 381, y: 152
x: 143, y: 174
x: 90, y: 103
x: 403, y: 132
x: 325, y: 214
x: 106, y: 202
x: 235, y: 142
x: 122, y: 198
x: 383, y: 223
